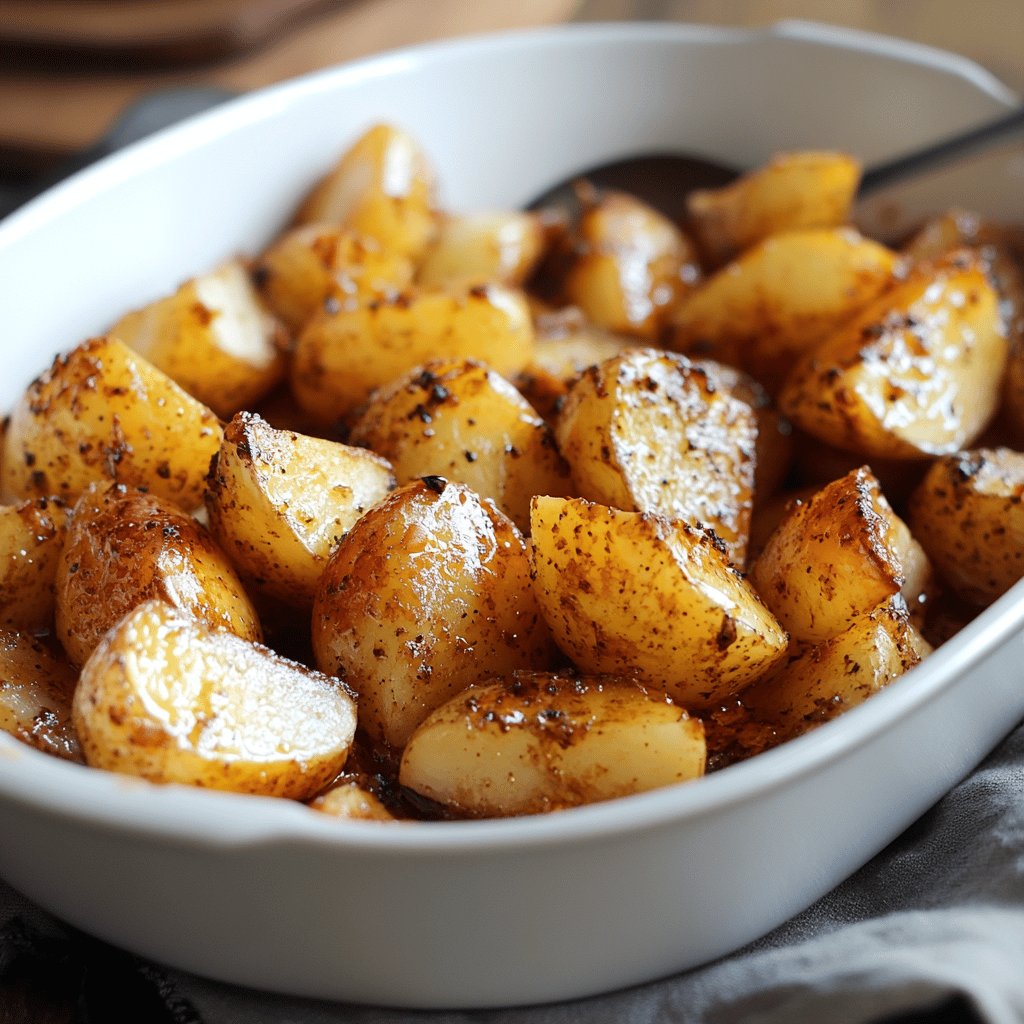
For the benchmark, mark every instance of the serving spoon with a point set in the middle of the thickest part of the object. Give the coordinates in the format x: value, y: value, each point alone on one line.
x: 664, y: 179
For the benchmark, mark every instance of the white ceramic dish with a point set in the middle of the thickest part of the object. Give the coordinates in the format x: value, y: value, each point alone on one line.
x: 269, y: 894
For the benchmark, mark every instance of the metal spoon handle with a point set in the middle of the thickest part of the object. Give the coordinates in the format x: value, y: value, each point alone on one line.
x: 956, y: 147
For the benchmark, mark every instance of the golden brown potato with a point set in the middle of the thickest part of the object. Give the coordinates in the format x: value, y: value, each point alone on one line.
x: 318, y: 263
x: 836, y: 556
x: 429, y: 592
x: 629, y: 593
x: 213, y: 336
x: 780, y: 298
x: 346, y: 352
x: 102, y: 412
x: 969, y: 515
x: 280, y: 502
x: 36, y: 685
x: 916, y: 373
x: 382, y: 187
x: 538, y: 741
x: 463, y: 421
x: 793, y: 191
x: 31, y: 536
x: 349, y: 800
x: 168, y: 698
x: 648, y: 431
x: 124, y: 547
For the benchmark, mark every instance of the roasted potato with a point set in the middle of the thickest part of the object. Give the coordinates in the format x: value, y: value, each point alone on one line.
x: 125, y: 546
x: 538, y: 741
x: 280, y: 502
x: 461, y: 420
x: 168, y: 698
x: 630, y: 593
x: 31, y: 537
x: 102, y: 412
x: 349, y: 800
x: 429, y: 592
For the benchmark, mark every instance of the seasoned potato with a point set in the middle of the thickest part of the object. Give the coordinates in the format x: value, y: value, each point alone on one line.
x: 537, y: 741
x: 382, y: 187
x: 31, y: 536
x: 969, y: 515
x: 352, y: 801
x: 463, y: 421
x: 791, y: 192
x: 429, y: 592
x: 836, y: 556
x: 213, y: 336
x: 102, y: 412
x: 279, y: 502
x: 318, y: 263
x: 168, y: 698
x: 347, y: 351
x: 648, y: 431
x: 917, y: 372
x: 125, y: 546
x: 501, y: 246
x: 36, y: 685
x: 780, y: 298
x: 629, y: 593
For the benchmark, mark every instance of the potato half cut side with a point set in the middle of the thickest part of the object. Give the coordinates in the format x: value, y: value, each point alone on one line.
x: 169, y: 699
x: 536, y: 741
x: 629, y: 593
x: 31, y: 537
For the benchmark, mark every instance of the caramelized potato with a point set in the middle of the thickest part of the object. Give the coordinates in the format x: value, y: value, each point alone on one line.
x: 124, y: 547
x: 536, y: 741
x: 648, y: 431
x: 168, y: 698
x: 917, y: 372
x: 31, y: 536
x: 463, y: 421
x: 628, y: 593
x: 36, y: 686
x: 349, y: 800
x: 969, y: 515
x: 100, y: 413
x: 429, y: 592
x: 280, y: 502
x: 348, y: 351
x: 213, y: 336
x: 382, y: 187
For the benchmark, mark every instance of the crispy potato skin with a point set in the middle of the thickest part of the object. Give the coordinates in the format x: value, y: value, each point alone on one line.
x: 429, y: 592
x: 126, y: 546
x: 535, y: 742
x: 969, y: 515
x: 648, y: 431
x: 461, y: 420
x: 31, y: 537
x: 629, y: 593
x: 168, y: 698
x: 101, y: 412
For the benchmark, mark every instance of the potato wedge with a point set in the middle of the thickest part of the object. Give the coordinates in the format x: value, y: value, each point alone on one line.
x: 969, y: 514
x: 102, y: 412
x: 347, y: 351
x: 382, y: 187
x: 836, y: 556
x: 917, y: 372
x: 167, y: 698
x: 781, y: 298
x: 629, y: 593
x: 213, y: 336
x: 124, y: 547
x: 461, y: 420
x: 31, y: 537
x: 280, y: 502
x: 792, y: 192
x: 648, y: 431
x: 537, y: 741
x: 429, y: 592
x: 36, y: 686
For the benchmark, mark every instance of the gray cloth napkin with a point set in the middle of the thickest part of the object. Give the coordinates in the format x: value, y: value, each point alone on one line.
x: 931, y: 930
